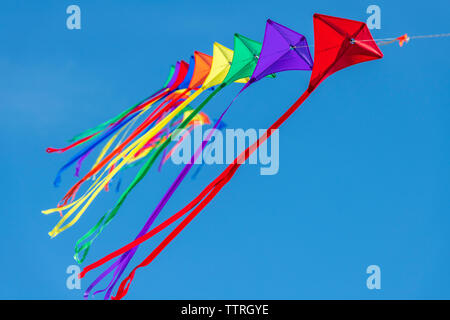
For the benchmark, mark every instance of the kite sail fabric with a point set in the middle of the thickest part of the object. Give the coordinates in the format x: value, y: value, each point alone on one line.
x: 340, y: 43
x: 337, y: 46
x: 248, y: 55
x: 283, y: 49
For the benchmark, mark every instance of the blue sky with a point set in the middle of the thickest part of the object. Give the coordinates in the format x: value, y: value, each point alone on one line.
x: 363, y: 179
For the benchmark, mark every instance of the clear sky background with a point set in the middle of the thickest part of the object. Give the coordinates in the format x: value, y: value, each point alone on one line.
x: 364, y: 166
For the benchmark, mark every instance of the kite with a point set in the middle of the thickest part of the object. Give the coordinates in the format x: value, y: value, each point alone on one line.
x: 339, y: 43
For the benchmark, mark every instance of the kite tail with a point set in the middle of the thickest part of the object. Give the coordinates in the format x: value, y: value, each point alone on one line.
x: 127, y: 256
x: 77, y: 143
x: 106, y: 218
x: 105, y: 124
x: 151, y: 233
x: 125, y: 284
x: 93, y: 171
x: 218, y: 184
x: 97, y: 229
x: 167, y: 155
x: 162, y: 160
x: 80, y: 162
x: 118, y: 185
x: 96, y: 281
x: 221, y: 126
x: 86, y: 150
